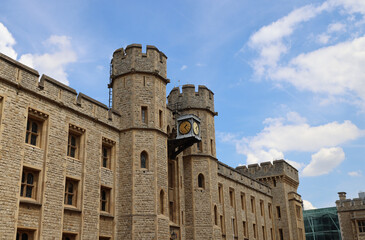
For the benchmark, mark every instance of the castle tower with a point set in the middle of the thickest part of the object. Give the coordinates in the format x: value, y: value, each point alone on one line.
x: 138, y: 82
x: 198, y: 162
x: 287, y: 203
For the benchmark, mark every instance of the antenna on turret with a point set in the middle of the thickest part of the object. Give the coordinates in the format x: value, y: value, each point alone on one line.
x: 110, y: 84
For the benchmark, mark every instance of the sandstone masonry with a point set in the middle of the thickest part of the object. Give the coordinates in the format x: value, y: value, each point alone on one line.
x: 73, y: 168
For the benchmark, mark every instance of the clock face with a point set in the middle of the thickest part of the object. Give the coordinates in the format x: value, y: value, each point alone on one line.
x: 185, y: 127
x: 196, y: 128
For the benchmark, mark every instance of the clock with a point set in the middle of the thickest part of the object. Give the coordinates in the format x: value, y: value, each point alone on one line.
x: 196, y: 128
x: 184, y: 127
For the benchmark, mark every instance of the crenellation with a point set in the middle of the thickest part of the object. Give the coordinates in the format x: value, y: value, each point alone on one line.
x: 203, y: 99
x: 133, y: 60
x: 267, y: 169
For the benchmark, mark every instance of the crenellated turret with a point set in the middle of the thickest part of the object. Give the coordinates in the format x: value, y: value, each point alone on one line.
x: 132, y: 59
x: 190, y: 99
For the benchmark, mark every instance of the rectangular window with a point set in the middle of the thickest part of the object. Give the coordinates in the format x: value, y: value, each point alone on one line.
x: 254, y: 230
x: 220, y: 193
x: 243, y: 201
x: 33, y: 133
x: 263, y: 233
x: 69, y: 236
x: 71, y: 188
x: 160, y: 118
x: 24, y: 234
x: 106, y: 156
x: 270, y: 210
x: 253, y: 207
x: 34, y: 129
x: 29, y: 184
x: 222, y: 225
x: 211, y: 147
x: 234, y: 228
x: 144, y: 114
x: 244, y: 227
x: 231, y: 197
x: 299, y: 211
x: 281, y: 234
x: 105, y: 199
x: 262, y: 207
x: 74, y: 141
x: 107, y: 153
x: 361, y: 225
x: 278, y: 212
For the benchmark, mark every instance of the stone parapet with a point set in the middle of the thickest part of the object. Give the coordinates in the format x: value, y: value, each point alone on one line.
x: 268, y: 169
x: 132, y: 59
x: 27, y: 79
x: 190, y: 99
x: 234, y: 175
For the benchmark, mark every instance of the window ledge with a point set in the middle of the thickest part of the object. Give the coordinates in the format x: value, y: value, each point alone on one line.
x: 30, y: 201
x: 32, y: 146
x: 72, y: 209
x: 106, y: 214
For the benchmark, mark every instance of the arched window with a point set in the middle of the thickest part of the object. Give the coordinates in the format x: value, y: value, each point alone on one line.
x: 215, y: 215
x: 162, y: 197
x: 201, y: 182
x: 144, y: 159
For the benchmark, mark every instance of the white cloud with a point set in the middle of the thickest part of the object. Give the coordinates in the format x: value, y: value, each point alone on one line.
x: 7, y: 42
x: 183, y: 67
x: 53, y: 63
x: 268, y: 40
x: 333, y: 70
x: 355, y: 173
x: 293, y: 133
x: 200, y: 64
x: 324, y: 161
x: 308, y: 205
x: 323, y: 38
x: 336, y: 27
x: 352, y: 6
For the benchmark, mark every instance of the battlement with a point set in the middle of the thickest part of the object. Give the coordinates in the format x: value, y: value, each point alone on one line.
x: 268, y: 169
x: 345, y: 204
x: 234, y: 175
x: 27, y: 79
x: 190, y: 99
x: 132, y: 59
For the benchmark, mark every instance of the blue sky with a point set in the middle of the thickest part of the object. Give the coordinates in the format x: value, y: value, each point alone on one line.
x: 288, y: 75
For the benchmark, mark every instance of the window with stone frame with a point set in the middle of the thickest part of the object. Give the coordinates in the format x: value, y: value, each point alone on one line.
x: 144, y: 114
x: 107, y: 153
x: 361, y: 226
x: 298, y: 211
x: 69, y: 236
x: 144, y: 159
x: 71, y: 192
x: 34, y: 128
x: 24, y: 234
x: 201, y: 181
x: 29, y: 185
x: 74, y: 141
x: 105, y: 199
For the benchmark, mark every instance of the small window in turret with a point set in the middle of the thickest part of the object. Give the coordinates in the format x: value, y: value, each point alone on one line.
x: 199, y: 146
x: 144, y: 160
x: 201, y: 182
x: 160, y: 118
x: 144, y: 114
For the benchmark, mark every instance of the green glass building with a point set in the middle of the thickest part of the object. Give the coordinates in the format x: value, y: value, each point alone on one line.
x: 322, y: 224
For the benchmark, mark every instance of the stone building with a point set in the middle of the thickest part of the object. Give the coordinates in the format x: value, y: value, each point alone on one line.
x: 73, y: 168
x: 351, y: 215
